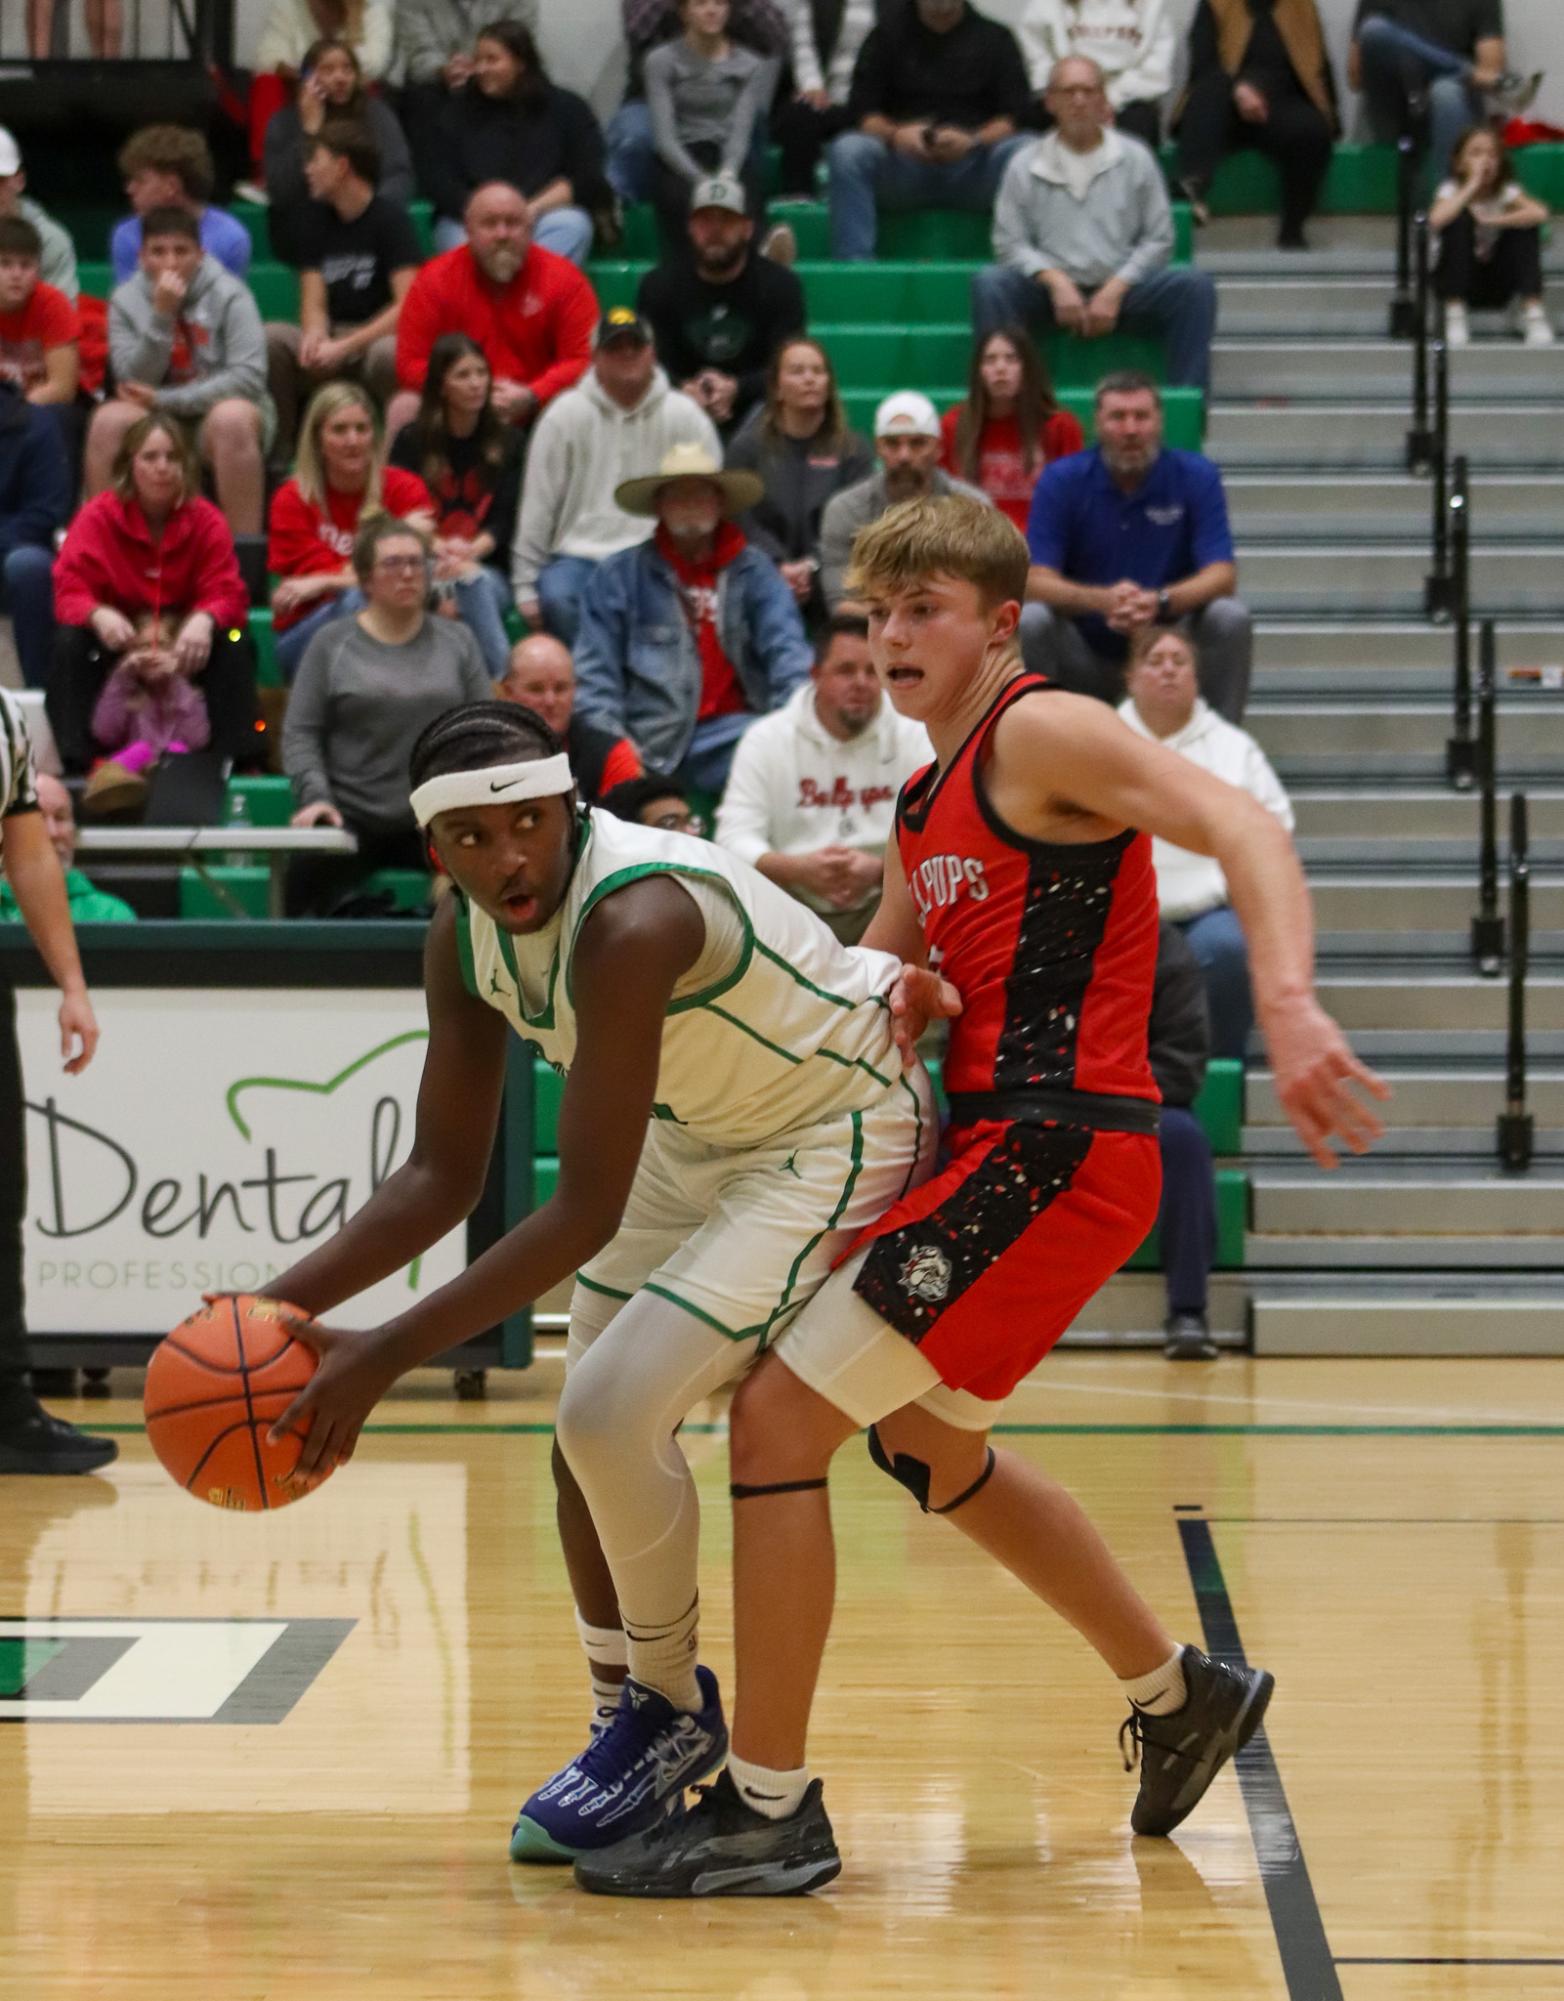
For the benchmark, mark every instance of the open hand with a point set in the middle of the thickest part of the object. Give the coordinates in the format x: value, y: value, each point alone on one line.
x: 350, y: 1379
x: 1313, y: 1067
x: 319, y: 813
x: 917, y: 998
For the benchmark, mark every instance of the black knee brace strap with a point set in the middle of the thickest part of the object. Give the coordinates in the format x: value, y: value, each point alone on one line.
x: 738, y: 1492
x: 915, y: 1475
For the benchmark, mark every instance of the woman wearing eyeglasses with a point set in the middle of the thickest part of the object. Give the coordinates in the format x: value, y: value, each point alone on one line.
x: 366, y: 687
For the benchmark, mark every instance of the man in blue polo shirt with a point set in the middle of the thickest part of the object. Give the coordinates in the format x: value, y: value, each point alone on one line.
x: 1127, y: 535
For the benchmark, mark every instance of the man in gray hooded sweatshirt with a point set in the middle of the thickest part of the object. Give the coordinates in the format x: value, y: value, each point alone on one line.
x: 185, y: 339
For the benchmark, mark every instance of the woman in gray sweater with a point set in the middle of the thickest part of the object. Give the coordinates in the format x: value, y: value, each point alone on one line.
x: 366, y: 687
x: 708, y: 96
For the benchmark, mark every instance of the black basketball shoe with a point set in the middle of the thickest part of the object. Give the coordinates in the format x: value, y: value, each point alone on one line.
x: 31, y: 1441
x: 1182, y: 1752
x: 720, y: 1847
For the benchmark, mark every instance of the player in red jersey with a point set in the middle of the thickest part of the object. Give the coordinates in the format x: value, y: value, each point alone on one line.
x: 1020, y: 871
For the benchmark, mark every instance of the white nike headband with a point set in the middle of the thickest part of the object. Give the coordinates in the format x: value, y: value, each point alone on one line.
x: 494, y: 785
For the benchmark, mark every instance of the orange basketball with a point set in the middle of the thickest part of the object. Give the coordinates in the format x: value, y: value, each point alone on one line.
x: 214, y: 1389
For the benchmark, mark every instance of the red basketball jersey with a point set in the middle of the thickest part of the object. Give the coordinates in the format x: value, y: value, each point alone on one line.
x: 1052, y: 947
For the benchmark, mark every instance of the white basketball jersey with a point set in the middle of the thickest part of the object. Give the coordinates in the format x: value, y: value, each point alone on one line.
x: 775, y: 1026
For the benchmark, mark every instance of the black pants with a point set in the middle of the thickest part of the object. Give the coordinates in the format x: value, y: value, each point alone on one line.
x: 671, y: 195
x: 1187, y: 1216
x: 81, y: 666
x: 13, y: 1200
x: 803, y: 134
x: 423, y: 113
x: 318, y: 883
x: 1296, y: 136
x: 1514, y: 271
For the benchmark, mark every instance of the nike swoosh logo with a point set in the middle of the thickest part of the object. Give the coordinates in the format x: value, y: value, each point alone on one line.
x: 504, y: 785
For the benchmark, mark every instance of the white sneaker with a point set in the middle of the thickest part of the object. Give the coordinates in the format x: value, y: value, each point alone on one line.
x: 1536, y: 329
x: 1458, y: 330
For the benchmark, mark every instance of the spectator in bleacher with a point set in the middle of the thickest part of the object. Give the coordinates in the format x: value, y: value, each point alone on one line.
x: 1083, y: 233
x: 39, y: 330
x: 655, y: 800
x: 57, y: 265
x: 331, y: 91
x: 434, y: 45
x: 718, y: 310
x: 531, y: 312
x: 292, y: 27
x: 541, y: 676
x: 811, y: 798
x: 88, y: 905
x: 1436, y: 66
x: 146, y: 711
x: 907, y: 441
x: 358, y: 256
x: 1131, y: 536
x: 150, y: 542
x: 366, y: 687
x: 470, y: 463
x: 827, y: 37
x: 104, y: 21
x: 1490, y: 242
x: 686, y: 638
x: 341, y: 482
x: 760, y: 25
x: 169, y: 166
x: 1010, y: 426
x: 510, y: 123
x: 938, y: 107
x: 36, y: 496
x: 1132, y: 42
x: 799, y: 442
x: 1178, y: 1044
x: 707, y: 95
x: 621, y: 415
x: 1259, y: 76
x: 185, y: 339
x: 1164, y: 702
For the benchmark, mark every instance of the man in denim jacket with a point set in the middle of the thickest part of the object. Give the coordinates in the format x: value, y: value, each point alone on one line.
x: 686, y: 639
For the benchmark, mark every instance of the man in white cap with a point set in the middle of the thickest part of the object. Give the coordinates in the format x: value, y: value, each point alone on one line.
x: 719, y: 313
x: 688, y: 637
x: 57, y: 266
x: 908, y: 443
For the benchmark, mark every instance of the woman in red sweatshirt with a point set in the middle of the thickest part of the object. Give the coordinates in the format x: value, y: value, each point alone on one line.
x: 341, y: 479
x: 150, y: 544
x: 1010, y: 426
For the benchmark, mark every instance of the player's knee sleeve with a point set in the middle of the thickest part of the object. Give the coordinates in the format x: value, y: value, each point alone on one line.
x: 916, y: 1475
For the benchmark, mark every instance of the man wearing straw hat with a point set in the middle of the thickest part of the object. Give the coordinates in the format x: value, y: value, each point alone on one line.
x: 689, y: 637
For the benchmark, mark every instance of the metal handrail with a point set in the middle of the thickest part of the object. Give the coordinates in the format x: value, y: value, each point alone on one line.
x: 1460, y: 751
x: 1437, y: 592
x: 1403, y: 305
x: 1420, y: 439
x: 1488, y: 924
x: 1516, y: 1127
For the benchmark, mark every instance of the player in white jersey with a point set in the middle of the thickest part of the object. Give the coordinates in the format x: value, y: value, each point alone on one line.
x: 735, y: 1112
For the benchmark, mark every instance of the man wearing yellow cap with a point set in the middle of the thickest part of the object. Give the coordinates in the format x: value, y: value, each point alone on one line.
x: 621, y: 417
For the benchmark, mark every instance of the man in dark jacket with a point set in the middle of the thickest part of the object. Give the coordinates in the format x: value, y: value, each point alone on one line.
x: 1180, y: 1040
x: 35, y: 501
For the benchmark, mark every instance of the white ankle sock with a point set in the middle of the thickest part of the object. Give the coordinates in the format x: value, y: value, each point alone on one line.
x: 1162, y: 1691
x: 777, y: 1795
x: 663, y: 1657
x: 604, y: 1647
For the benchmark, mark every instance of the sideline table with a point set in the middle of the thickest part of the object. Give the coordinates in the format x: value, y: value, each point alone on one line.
x: 273, y: 844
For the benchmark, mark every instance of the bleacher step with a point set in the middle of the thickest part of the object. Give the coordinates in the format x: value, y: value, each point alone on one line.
x: 1531, y: 721
x: 1269, y: 431
x: 1328, y: 507
x: 1130, y: 1309
x: 1452, y: 1003
x: 1397, y: 902
x: 1389, y: 577
x: 1330, y: 814
x: 1338, y: 636
x: 1372, y: 371
x: 1381, y: 1198
x: 1434, y: 1318
x: 1352, y: 1258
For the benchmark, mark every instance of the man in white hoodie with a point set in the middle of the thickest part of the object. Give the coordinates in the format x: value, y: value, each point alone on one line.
x: 811, y: 798
x: 1163, y: 702
x: 620, y: 418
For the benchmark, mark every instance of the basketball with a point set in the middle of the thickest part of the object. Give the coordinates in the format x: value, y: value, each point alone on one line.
x: 214, y: 1388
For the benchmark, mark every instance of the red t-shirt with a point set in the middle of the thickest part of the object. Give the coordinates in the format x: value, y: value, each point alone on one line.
x: 721, y: 694
x: 47, y: 320
x: 304, y: 540
x: 1002, y: 472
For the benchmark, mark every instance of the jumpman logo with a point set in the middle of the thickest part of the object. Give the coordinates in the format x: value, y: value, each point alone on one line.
x: 497, y: 985
x: 790, y: 1166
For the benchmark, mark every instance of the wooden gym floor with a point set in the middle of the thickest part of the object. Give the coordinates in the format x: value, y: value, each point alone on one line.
x: 268, y: 1757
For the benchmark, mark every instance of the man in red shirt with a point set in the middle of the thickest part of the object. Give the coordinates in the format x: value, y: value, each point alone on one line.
x: 532, y: 313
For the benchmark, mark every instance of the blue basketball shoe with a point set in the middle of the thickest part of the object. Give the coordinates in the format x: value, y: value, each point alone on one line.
x: 627, y: 1778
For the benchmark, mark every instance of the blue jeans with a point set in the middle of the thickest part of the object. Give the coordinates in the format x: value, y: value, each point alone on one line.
x: 27, y: 590
x: 562, y: 583
x: 865, y: 175
x: 1217, y: 940
x: 289, y: 646
x: 710, y: 755
x: 482, y: 601
x: 1186, y: 1219
x: 1178, y: 303
x: 565, y: 231
x: 628, y: 137
x: 1397, y: 61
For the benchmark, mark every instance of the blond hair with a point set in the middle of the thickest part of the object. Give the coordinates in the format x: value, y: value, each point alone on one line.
x: 956, y: 537
x: 310, y: 467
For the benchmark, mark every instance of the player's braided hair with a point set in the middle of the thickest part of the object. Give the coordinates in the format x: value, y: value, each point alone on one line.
x: 479, y: 734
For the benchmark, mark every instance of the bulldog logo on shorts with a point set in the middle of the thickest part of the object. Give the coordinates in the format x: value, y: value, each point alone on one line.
x: 927, y: 1273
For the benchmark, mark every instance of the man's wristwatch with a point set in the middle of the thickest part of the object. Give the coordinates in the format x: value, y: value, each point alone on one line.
x: 1166, y: 615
